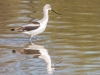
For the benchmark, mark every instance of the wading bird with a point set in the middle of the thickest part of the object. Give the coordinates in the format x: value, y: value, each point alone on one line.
x: 37, y: 27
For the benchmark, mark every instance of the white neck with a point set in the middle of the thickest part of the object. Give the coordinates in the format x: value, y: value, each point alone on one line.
x: 45, y: 17
x: 45, y: 14
x: 49, y: 68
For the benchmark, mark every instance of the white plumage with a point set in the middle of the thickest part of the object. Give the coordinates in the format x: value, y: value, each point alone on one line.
x: 37, y: 27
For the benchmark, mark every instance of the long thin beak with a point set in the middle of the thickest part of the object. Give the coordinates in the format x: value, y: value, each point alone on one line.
x: 55, y: 12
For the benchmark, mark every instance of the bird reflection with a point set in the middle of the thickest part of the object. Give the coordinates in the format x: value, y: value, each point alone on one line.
x: 37, y: 51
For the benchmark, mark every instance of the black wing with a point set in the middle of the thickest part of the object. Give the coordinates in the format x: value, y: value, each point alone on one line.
x: 28, y: 27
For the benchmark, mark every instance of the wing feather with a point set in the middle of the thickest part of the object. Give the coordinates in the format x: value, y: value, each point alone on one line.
x: 29, y: 27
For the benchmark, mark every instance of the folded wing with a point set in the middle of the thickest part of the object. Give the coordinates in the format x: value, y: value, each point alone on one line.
x: 29, y: 27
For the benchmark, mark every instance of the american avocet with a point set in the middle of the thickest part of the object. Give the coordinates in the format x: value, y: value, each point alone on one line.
x: 37, y: 27
x: 37, y: 51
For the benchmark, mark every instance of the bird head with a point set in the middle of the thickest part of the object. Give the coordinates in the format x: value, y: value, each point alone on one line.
x: 47, y: 6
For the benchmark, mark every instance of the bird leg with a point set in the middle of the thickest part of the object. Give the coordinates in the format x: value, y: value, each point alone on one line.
x: 31, y: 38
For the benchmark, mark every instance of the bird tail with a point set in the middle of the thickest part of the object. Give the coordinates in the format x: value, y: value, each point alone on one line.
x: 20, y: 29
x: 12, y: 29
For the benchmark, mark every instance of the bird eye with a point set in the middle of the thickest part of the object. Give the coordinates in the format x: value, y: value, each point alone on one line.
x: 49, y: 6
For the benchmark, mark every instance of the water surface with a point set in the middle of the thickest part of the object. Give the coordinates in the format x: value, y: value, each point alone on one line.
x: 71, y: 38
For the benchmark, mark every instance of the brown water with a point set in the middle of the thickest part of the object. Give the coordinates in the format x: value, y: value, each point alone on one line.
x: 72, y: 38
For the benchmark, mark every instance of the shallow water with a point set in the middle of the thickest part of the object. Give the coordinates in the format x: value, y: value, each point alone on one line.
x: 71, y: 38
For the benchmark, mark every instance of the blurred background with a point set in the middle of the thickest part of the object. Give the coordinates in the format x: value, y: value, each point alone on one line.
x: 72, y: 38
